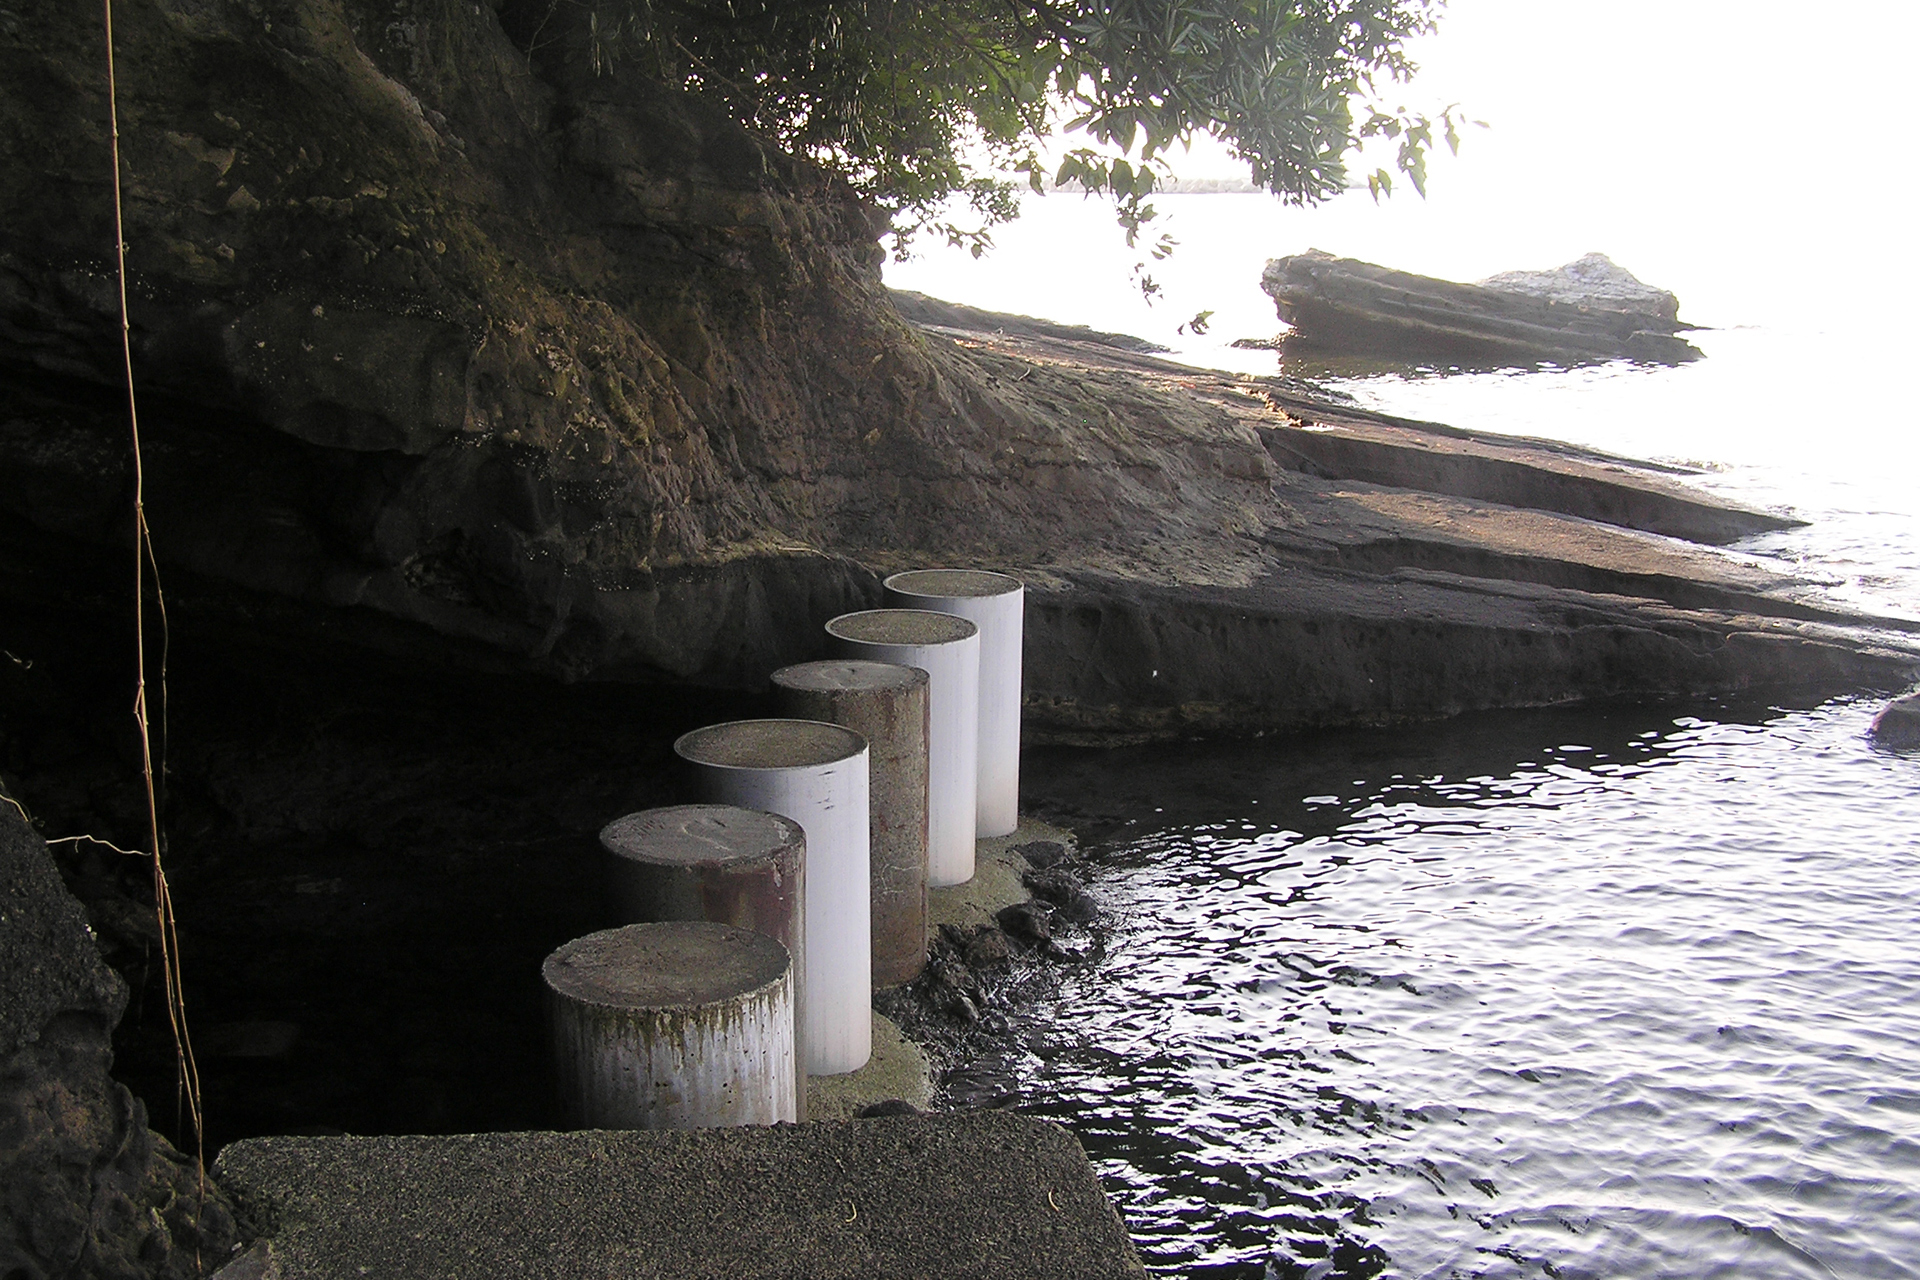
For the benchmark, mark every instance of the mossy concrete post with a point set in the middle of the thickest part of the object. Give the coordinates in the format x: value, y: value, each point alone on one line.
x: 996, y: 603
x: 887, y: 705
x: 947, y: 648
x: 815, y: 774
x: 717, y: 863
x: 681, y: 1025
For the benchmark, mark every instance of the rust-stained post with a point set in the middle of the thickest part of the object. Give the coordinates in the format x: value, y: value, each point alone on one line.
x: 718, y: 863
x: 887, y: 705
x: 682, y: 1025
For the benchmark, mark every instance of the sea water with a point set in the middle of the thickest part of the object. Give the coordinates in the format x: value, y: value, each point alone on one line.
x: 1625, y: 991
x: 1621, y: 991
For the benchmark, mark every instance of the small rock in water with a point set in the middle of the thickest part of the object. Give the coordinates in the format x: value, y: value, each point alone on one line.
x: 1029, y: 921
x: 988, y: 949
x: 1898, y: 724
x: 1059, y: 888
x: 950, y: 986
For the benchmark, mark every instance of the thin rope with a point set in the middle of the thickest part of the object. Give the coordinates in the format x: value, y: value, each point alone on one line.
x: 187, y: 1072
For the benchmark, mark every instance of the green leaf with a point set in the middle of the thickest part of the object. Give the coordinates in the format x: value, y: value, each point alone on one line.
x: 900, y: 99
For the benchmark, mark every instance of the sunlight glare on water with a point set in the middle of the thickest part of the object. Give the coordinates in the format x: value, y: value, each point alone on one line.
x: 1643, y: 1005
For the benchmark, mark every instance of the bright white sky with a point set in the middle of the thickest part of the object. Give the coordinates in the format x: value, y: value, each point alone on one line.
x: 1709, y: 137
x: 1751, y: 156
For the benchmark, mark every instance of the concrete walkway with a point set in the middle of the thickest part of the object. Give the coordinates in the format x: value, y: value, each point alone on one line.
x: 975, y: 1194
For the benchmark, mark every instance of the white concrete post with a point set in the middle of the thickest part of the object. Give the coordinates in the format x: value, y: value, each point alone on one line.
x: 683, y: 1025
x: 996, y: 604
x: 948, y: 650
x: 815, y: 774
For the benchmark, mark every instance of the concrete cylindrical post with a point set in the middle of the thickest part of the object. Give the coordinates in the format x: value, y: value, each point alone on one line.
x: 996, y: 604
x: 815, y: 774
x: 947, y: 648
x: 717, y: 863
x: 683, y: 1025
x: 887, y: 705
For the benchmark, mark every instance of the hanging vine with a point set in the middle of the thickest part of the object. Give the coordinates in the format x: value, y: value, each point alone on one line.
x: 146, y: 571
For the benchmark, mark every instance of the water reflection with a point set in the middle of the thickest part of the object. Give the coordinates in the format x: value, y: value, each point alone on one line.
x: 1613, y: 993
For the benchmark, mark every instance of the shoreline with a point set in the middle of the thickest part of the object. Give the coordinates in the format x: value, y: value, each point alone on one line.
x: 901, y: 1070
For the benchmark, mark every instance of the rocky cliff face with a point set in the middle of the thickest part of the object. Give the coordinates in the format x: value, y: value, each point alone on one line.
x: 518, y: 358
x: 554, y: 370
x: 86, y: 1189
x: 452, y: 348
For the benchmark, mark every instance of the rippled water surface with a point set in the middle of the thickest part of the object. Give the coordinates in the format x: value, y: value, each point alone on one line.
x: 1621, y: 992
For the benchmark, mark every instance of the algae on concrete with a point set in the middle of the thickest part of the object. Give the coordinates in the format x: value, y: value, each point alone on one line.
x: 996, y: 878
x: 897, y: 1070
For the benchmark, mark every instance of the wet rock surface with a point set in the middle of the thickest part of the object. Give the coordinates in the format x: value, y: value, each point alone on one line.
x: 1061, y: 890
x: 979, y: 974
x: 1029, y: 922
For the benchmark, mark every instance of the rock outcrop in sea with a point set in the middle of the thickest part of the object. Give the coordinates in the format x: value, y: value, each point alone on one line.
x: 1590, y: 309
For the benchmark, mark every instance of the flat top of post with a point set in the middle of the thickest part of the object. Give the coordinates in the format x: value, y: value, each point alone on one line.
x: 701, y: 835
x: 901, y: 626
x: 769, y: 744
x: 838, y: 675
x: 939, y: 584
x: 675, y: 964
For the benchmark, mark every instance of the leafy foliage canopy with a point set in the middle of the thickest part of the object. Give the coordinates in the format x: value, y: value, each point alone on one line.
x: 919, y: 100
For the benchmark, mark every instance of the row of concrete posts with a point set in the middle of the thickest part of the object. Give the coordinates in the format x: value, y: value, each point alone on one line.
x: 764, y: 916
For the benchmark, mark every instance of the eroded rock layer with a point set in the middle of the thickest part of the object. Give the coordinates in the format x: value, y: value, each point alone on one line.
x: 456, y: 348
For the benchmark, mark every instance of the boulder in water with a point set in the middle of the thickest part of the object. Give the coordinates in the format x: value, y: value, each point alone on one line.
x: 1588, y: 310
x: 1898, y: 724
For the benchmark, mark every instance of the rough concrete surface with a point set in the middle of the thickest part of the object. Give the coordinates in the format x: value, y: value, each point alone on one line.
x: 981, y: 1194
x: 897, y: 1070
x: 996, y: 878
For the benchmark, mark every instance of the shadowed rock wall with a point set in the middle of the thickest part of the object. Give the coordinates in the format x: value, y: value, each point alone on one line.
x: 86, y: 1189
x: 452, y: 348
x: 509, y: 351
